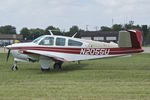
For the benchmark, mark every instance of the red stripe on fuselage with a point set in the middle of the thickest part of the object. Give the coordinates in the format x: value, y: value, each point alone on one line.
x: 113, y: 51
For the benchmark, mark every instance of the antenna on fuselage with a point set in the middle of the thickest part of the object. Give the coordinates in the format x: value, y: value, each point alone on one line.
x: 74, y: 35
x: 50, y: 31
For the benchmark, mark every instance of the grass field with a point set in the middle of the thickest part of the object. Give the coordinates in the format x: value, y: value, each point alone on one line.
x: 103, y: 79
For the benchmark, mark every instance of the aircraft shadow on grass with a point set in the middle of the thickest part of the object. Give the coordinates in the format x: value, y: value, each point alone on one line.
x: 65, y: 68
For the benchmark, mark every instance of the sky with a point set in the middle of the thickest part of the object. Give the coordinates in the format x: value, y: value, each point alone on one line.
x: 66, y: 13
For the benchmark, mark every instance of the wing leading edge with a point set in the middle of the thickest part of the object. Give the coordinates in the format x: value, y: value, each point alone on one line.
x: 43, y: 53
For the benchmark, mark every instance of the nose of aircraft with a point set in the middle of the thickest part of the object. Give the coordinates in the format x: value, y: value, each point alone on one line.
x: 9, y: 46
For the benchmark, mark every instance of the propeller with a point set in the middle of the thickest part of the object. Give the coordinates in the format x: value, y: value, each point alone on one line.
x: 8, y: 54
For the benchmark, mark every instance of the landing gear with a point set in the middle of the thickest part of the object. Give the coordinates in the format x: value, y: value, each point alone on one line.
x: 57, y: 66
x: 45, y: 64
x: 45, y: 70
x: 79, y: 62
x: 14, y: 67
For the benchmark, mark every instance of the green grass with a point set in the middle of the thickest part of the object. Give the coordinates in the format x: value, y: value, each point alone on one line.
x: 103, y: 79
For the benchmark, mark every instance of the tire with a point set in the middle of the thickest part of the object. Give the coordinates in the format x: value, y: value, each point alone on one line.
x: 45, y: 70
x: 57, y: 66
x: 14, y: 68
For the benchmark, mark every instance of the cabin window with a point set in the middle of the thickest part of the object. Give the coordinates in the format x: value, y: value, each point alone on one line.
x: 60, y: 41
x: 47, y: 41
x: 37, y: 39
x: 74, y: 43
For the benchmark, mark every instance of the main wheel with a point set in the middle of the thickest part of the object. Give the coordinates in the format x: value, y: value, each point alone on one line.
x: 14, y: 68
x: 45, y: 70
x: 57, y: 66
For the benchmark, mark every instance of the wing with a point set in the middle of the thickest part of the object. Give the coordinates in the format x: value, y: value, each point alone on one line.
x: 51, y: 55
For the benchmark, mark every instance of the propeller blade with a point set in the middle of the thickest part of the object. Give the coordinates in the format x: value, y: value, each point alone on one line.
x: 8, y: 54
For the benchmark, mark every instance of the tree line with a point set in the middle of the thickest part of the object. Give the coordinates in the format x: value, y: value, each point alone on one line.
x: 30, y: 34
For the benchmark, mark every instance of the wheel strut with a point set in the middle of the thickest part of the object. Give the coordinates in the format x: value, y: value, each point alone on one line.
x: 14, y: 67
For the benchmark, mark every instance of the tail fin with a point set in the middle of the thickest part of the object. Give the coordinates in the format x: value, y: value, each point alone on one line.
x: 131, y: 38
x: 136, y: 39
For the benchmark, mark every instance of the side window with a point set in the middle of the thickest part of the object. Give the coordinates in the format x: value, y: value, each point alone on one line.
x: 60, y: 41
x: 74, y: 43
x: 47, y: 41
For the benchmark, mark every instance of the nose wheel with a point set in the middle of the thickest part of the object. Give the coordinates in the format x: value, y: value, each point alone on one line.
x: 14, y: 67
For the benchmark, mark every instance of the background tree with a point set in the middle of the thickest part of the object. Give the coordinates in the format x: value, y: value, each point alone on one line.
x: 138, y: 27
x: 35, y: 33
x: 72, y: 31
x: 105, y: 28
x: 55, y: 30
x: 26, y: 33
x: 79, y: 33
x: 8, y: 29
x: 128, y: 26
x: 117, y: 27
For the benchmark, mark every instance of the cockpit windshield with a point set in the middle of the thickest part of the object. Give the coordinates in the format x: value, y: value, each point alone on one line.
x: 37, y: 39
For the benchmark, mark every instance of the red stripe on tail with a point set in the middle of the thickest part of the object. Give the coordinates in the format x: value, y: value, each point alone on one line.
x: 136, y: 39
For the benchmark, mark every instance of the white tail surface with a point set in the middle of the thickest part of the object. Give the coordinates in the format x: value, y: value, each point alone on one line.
x: 124, y: 39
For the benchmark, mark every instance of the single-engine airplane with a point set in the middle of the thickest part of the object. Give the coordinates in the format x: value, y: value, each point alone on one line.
x: 48, y: 48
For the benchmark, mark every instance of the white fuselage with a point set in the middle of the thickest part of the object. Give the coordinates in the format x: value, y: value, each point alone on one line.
x: 19, y: 55
x: 64, y: 49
